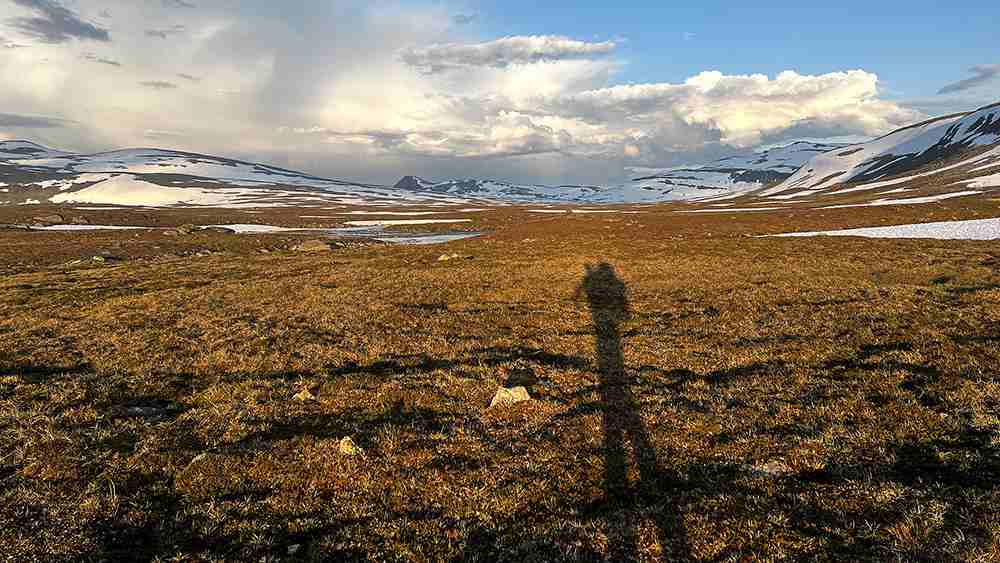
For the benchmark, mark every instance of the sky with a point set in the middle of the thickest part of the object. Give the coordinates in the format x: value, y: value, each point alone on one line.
x: 579, y: 92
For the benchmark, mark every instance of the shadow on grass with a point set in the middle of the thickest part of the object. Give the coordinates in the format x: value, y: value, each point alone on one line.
x: 609, y: 308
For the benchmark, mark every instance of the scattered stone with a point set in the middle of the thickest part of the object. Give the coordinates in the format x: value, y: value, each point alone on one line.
x: 313, y: 245
x: 348, y: 447
x: 304, y: 396
x: 513, y: 395
x: 448, y: 257
x: 54, y: 219
x: 187, y: 229
x: 771, y: 469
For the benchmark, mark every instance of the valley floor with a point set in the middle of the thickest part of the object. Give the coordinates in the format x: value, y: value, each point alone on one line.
x: 697, y: 393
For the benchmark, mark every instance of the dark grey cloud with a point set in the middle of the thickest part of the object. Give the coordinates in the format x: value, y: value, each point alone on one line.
x: 166, y: 32
x: 980, y: 75
x: 158, y: 84
x: 465, y: 19
x: 179, y: 4
x: 55, y: 23
x: 96, y: 59
x: 502, y: 53
x: 189, y: 77
x: 31, y: 121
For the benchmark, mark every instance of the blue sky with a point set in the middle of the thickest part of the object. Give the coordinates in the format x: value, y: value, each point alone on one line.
x: 528, y: 91
x: 915, y: 47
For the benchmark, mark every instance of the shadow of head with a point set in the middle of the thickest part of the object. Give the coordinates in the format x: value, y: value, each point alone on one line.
x: 604, y: 289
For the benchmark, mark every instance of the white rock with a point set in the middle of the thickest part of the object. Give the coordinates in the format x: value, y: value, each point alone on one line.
x: 505, y: 396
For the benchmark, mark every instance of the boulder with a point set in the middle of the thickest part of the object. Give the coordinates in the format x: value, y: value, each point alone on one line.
x: 509, y: 396
x: 313, y: 245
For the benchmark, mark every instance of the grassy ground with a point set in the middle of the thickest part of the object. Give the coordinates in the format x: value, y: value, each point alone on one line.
x: 705, y: 396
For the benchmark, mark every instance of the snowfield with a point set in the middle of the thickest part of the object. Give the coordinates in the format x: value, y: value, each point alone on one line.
x: 978, y: 229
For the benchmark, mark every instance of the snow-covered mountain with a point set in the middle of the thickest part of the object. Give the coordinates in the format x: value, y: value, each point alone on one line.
x: 943, y: 158
x: 31, y: 173
x: 500, y: 191
x: 735, y: 174
x: 731, y: 175
x: 955, y: 145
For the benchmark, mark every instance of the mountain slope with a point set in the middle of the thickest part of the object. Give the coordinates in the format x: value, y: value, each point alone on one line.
x: 734, y: 174
x: 30, y: 173
x: 955, y: 143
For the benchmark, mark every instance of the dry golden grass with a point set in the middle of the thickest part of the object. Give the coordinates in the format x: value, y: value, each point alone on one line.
x: 816, y: 399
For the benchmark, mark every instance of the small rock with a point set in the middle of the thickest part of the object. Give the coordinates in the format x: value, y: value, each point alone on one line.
x: 771, y: 469
x: 293, y: 549
x: 513, y: 395
x: 99, y: 259
x: 313, y: 245
x: 304, y: 396
x: 79, y: 221
x: 348, y: 447
x: 447, y: 257
x: 186, y: 229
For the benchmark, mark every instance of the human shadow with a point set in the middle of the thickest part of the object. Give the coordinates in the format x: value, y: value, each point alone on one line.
x: 607, y: 297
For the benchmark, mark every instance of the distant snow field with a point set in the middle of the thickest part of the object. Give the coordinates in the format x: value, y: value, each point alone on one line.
x: 405, y: 222
x: 977, y: 229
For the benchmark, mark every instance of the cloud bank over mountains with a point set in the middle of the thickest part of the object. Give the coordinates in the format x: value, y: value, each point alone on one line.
x: 376, y: 90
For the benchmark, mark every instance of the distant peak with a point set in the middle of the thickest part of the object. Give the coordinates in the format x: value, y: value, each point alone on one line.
x: 412, y: 183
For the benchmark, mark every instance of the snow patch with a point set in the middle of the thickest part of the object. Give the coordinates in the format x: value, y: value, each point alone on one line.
x: 978, y: 229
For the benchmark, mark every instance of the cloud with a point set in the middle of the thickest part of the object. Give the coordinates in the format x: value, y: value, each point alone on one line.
x: 178, y: 4
x: 56, y: 23
x: 371, y: 91
x: 980, y: 76
x: 96, y: 59
x: 166, y: 32
x: 502, y: 53
x: 160, y: 134
x: 744, y: 109
x: 464, y: 19
x: 30, y: 121
x: 7, y: 44
x: 159, y: 84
